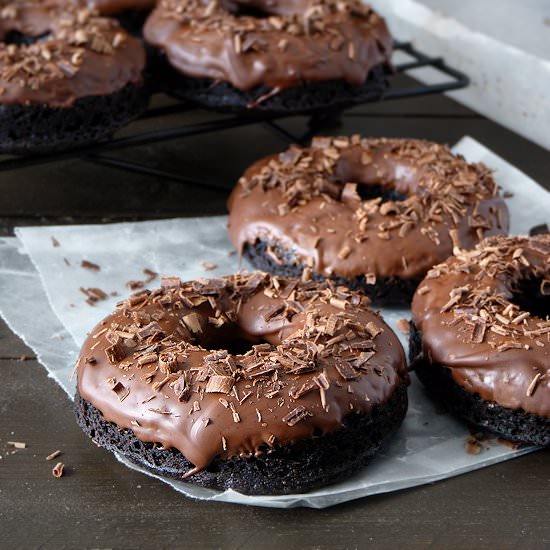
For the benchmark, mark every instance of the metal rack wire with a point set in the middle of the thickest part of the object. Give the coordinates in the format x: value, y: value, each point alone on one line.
x: 452, y: 79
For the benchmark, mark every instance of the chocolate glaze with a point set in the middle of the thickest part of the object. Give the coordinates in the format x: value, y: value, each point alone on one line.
x: 255, y: 412
x: 302, y: 200
x: 83, y: 55
x: 302, y: 41
x: 462, y: 302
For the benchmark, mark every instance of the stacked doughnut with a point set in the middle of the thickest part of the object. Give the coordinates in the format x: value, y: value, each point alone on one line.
x: 259, y: 56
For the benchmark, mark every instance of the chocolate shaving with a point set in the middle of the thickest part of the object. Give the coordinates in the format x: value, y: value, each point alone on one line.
x: 157, y: 386
x: 370, y: 278
x: 533, y: 385
x: 90, y: 265
x: 207, y: 266
x: 147, y: 359
x: 478, y: 333
x: 152, y: 329
x: 296, y: 415
x: 94, y: 295
x: 305, y: 388
x: 115, y: 353
x: 160, y: 411
x: 58, y: 470
x: 350, y: 194
x: 373, y: 329
x: 344, y: 252
x: 192, y: 322
x: 473, y: 446
x: 53, y: 455
x: 338, y: 303
x: 182, y: 388
x: 345, y: 370
x: 403, y: 326
x: 121, y: 391
x: 170, y: 282
x: 219, y: 384
x: 322, y: 381
x: 151, y: 275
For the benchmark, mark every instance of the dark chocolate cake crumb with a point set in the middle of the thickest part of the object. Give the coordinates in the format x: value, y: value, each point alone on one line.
x: 321, y: 461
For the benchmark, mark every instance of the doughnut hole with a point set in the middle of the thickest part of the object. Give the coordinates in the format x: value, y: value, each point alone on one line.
x: 251, y: 11
x: 261, y: 9
x: 532, y: 294
x: 231, y: 337
x: 237, y: 345
x: 244, y: 9
x: 387, y: 193
x: 20, y: 39
x: 375, y: 180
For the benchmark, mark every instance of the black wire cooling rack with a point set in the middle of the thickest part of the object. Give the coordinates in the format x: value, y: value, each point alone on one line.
x: 452, y: 79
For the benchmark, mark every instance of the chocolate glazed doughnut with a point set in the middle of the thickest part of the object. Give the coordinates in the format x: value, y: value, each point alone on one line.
x: 481, y: 341
x: 374, y: 214
x: 294, y: 56
x: 260, y: 384
x: 67, y: 77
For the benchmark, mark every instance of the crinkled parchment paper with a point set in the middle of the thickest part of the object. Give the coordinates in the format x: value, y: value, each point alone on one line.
x: 41, y: 301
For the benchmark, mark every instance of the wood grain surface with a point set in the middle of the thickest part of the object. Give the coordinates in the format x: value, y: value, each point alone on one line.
x: 101, y: 504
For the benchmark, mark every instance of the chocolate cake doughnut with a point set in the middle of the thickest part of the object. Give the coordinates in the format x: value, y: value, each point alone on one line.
x: 260, y: 384
x: 67, y: 77
x: 260, y: 56
x: 481, y: 336
x: 374, y: 214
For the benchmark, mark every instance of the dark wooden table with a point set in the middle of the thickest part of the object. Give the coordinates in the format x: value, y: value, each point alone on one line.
x: 99, y: 503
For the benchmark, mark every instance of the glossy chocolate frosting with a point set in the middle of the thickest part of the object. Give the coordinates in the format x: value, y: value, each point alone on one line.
x: 316, y: 354
x: 469, y: 322
x: 77, y: 54
x: 299, y: 42
x: 308, y: 200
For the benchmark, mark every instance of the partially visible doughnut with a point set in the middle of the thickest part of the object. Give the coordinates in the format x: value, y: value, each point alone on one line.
x: 481, y: 341
x: 67, y: 76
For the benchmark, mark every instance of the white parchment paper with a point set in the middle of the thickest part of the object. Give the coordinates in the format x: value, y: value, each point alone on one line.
x: 41, y: 301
